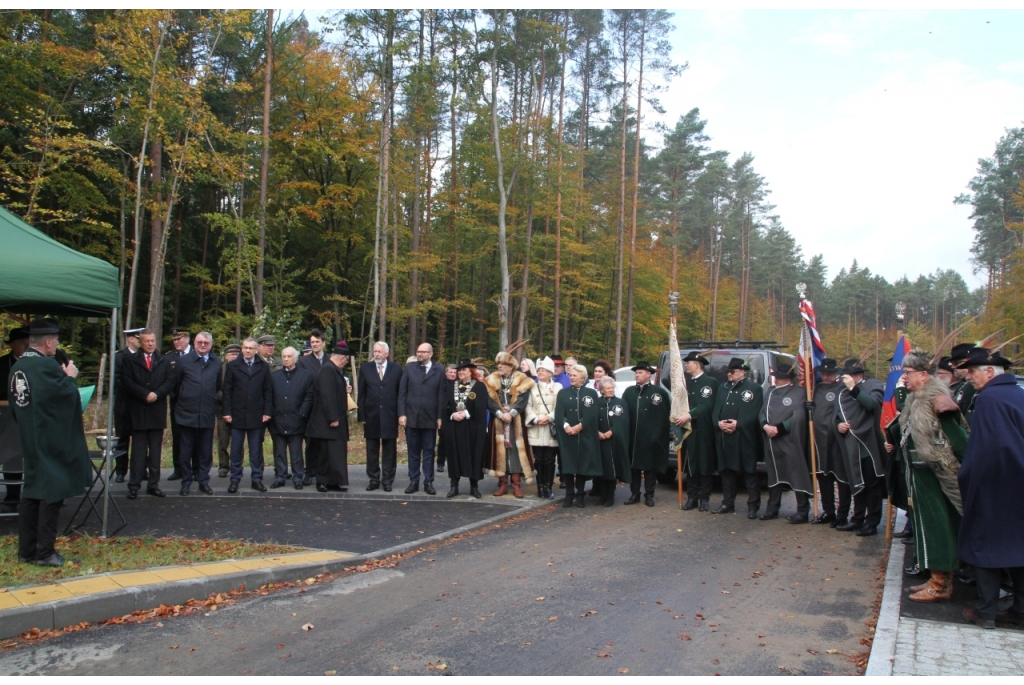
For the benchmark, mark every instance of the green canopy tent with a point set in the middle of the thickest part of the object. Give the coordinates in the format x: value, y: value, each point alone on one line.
x: 40, y: 276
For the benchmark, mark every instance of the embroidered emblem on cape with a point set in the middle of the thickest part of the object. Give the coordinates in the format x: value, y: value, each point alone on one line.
x: 786, y: 401
x: 19, y: 385
x: 830, y: 396
x: 746, y: 395
x: 656, y: 400
x: 617, y: 410
x: 471, y: 395
x: 588, y: 401
x: 705, y: 392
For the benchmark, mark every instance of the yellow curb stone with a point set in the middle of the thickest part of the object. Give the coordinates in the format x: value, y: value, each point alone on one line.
x: 136, y: 578
x: 44, y: 593
x: 254, y: 564
x: 327, y: 556
x: 180, y: 573
x: 8, y: 601
x: 218, y: 569
x: 91, y: 586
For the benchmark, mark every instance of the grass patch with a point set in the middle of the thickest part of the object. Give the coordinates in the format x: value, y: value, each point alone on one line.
x: 96, y: 555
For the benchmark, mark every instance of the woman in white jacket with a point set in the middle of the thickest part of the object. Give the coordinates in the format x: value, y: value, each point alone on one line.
x: 540, y: 410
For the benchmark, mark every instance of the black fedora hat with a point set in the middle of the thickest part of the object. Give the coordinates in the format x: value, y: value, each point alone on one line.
x: 738, y: 364
x: 17, y: 334
x: 784, y: 371
x: 980, y: 356
x: 852, y: 366
x: 465, y: 364
x: 644, y: 366
x: 43, y: 327
x: 944, y: 363
x: 828, y: 365
x: 696, y: 357
x: 960, y: 352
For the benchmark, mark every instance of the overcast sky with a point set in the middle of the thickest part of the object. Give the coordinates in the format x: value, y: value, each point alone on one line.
x: 865, y: 124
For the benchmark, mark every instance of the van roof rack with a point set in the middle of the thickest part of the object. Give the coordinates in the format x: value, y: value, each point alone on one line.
x: 734, y: 344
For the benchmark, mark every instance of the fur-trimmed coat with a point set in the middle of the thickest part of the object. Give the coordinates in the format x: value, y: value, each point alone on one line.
x: 938, y: 433
x: 518, y: 397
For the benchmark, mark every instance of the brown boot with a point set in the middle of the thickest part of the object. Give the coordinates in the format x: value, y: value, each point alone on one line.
x: 940, y: 587
x: 502, y: 486
x: 516, y: 482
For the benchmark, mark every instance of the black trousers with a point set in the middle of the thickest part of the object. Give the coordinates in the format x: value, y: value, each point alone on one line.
x: 989, y: 580
x: 123, y: 429
x: 196, y: 454
x: 827, y: 484
x: 283, y: 445
x: 329, y: 459
x: 439, y: 455
x: 146, y: 447
x: 544, y: 460
x: 867, y: 504
x: 803, y: 500
x: 37, y: 528
x: 13, y: 491
x: 175, y: 444
x: 649, y: 482
x: 223, y: 445
x: 698, y: 487
x: 730, y: 482
x: 382, y: 460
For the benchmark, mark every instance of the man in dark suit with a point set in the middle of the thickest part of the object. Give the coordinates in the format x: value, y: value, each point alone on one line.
x: 293, y: 401
x: 328, y: 423
x: 122, y: 422
x: 10, y: 437
x: 421, y: 400
x: 247, y: 401
x: 181, y: 340
x: 313, y: 362
x: 379, y: 382
x: 198, y: 381
x: 149, y: 380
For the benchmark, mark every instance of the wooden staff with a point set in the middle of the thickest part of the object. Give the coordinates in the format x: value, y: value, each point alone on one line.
x: 808, y: 382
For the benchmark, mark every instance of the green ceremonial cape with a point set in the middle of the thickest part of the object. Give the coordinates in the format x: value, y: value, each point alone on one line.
x: 581, y: 453
x: 739, y: 451
x: 613, y: 416
x: 700, y: 446
x: 48, y: 408
x: 649, y: 409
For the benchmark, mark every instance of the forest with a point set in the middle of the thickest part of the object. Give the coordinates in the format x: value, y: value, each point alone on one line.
x: 468, y: 178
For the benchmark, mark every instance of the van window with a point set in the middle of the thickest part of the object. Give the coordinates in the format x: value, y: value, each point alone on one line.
x: 625, y: 376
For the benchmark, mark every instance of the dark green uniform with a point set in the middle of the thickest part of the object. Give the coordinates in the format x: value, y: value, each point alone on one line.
x: 649, y: 407
x: 963, y: 394
x: 786, y: 456
x: 613, y: 416
x: 581, y: 453
x: 739, y: 451
x: 701, y: 461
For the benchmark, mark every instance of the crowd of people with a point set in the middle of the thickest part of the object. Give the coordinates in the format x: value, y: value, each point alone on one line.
x: 953, y: 458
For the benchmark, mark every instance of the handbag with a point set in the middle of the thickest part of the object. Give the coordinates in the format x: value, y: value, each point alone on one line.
x: 551, y: 427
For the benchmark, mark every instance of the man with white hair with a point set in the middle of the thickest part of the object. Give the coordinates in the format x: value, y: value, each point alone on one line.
x: 292, y: 390
x: 198, y: 381
x: 378, y: 384
x: 991, y: 536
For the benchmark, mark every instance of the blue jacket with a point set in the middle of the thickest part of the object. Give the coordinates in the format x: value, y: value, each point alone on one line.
x: 197, y: 386
x: 992, y: 531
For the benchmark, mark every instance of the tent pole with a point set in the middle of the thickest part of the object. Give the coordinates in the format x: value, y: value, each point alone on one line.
x: 110, y: 422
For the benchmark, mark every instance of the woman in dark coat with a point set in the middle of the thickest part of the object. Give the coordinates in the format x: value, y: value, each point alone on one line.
x: 464, y: 428
x: 613, y: 431
x: 576, y: 415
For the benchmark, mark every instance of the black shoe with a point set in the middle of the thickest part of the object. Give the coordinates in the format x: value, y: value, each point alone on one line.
x: 321, y: 487
x: 259, y: 486
x: 387, y: 487
x: 307, y: 480
x: 233, y: 488
x: 55, y: 560
x: 413, y: 487
x: 704, y: 505
x: 156, y: 492
x: 119, y: 478
x: 453, y: 492
x: 971, y: 615
x: 429, y: 489
x: 581, y: 500
x: 608, y: 500
x: 850, y: 525
x: 908, y: 541
x: 174, y: 476
x: 1010, y: 616
x: 649, y: 500
x: 840, y: 521
x: 205, y: 489
x: 726, y: 509
x: 184, y: 491
x: 768, y: 517
x: 372, y: 486
x: 561, y: 483
x: 798, y: 518
x: 24, y: 560
x: 903, y: 534
x: 222, y: 473
x: 825, y: 518
x: 567, y: 502
x: 633, y: 499
x: 133, y: 494
x: 297, y: 485
x: 594, y: 492
x: 551, y: 494
x: 689, y: 504
x: 752, y: 510
x: 439, y: 468
x: 866, y: 531
x: 474, y: 492
x: 913, y: 571
x: 343, y: 488
x: 277, y: 484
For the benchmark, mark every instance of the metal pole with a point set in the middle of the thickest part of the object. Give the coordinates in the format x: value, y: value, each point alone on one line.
x: 110, y: 422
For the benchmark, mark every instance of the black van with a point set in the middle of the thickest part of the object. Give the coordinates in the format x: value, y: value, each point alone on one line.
x: 762, y: 357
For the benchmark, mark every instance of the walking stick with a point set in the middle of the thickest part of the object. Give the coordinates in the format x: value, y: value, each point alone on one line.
x: 808, y: 381
x: 888, y: 521
x: 679, y: 471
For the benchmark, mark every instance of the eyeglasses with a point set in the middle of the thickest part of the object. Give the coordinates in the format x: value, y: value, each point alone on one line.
x: 422, y: 351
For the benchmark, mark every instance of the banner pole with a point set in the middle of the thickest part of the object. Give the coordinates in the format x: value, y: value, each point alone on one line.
x: 808, y: 382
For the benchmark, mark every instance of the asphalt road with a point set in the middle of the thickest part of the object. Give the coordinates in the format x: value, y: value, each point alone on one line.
x: 593, y: 591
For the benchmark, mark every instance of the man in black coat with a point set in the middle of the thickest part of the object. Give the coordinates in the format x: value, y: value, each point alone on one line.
x: 198, y: 380
x: 420, y: 403
x: 247, y: 403
x: 859, y: 424
x: 464, y: 427
x: 122, y: 422
x: 327, y: 429
x: 828, y: 443
x: 313, y: 362
x: 378, y: 385
x: 293, y: 402
x: 181, y: 340
x: 149, y: 380
x: 11, y: 456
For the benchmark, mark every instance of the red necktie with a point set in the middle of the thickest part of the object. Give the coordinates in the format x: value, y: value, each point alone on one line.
x: 149, y: 363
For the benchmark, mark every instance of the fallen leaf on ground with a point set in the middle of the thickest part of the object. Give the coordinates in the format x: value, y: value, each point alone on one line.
x: 623, y: 670
x: 307, y: 627
x: 553, y: 618
x: 603, y: 655
x: 330, y: 672
x: 588, y: 613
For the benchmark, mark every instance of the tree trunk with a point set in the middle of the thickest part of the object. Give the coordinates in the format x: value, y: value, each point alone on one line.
x: 262, y: 244
x: 503, y: 311
x: 558, y: 186
x: 636, y: 190
x: 156, y: 238
x: 622, y: 194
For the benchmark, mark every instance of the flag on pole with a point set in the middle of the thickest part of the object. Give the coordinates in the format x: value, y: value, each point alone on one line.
x: 809, y: 333
x: 889, y: 410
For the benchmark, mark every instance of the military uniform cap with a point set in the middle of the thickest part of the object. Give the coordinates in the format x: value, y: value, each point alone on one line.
x: 133, y: 332
x: 180, y: 333
x: 306, y: 347
x: 266, y: 340
x: 231, y: 347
